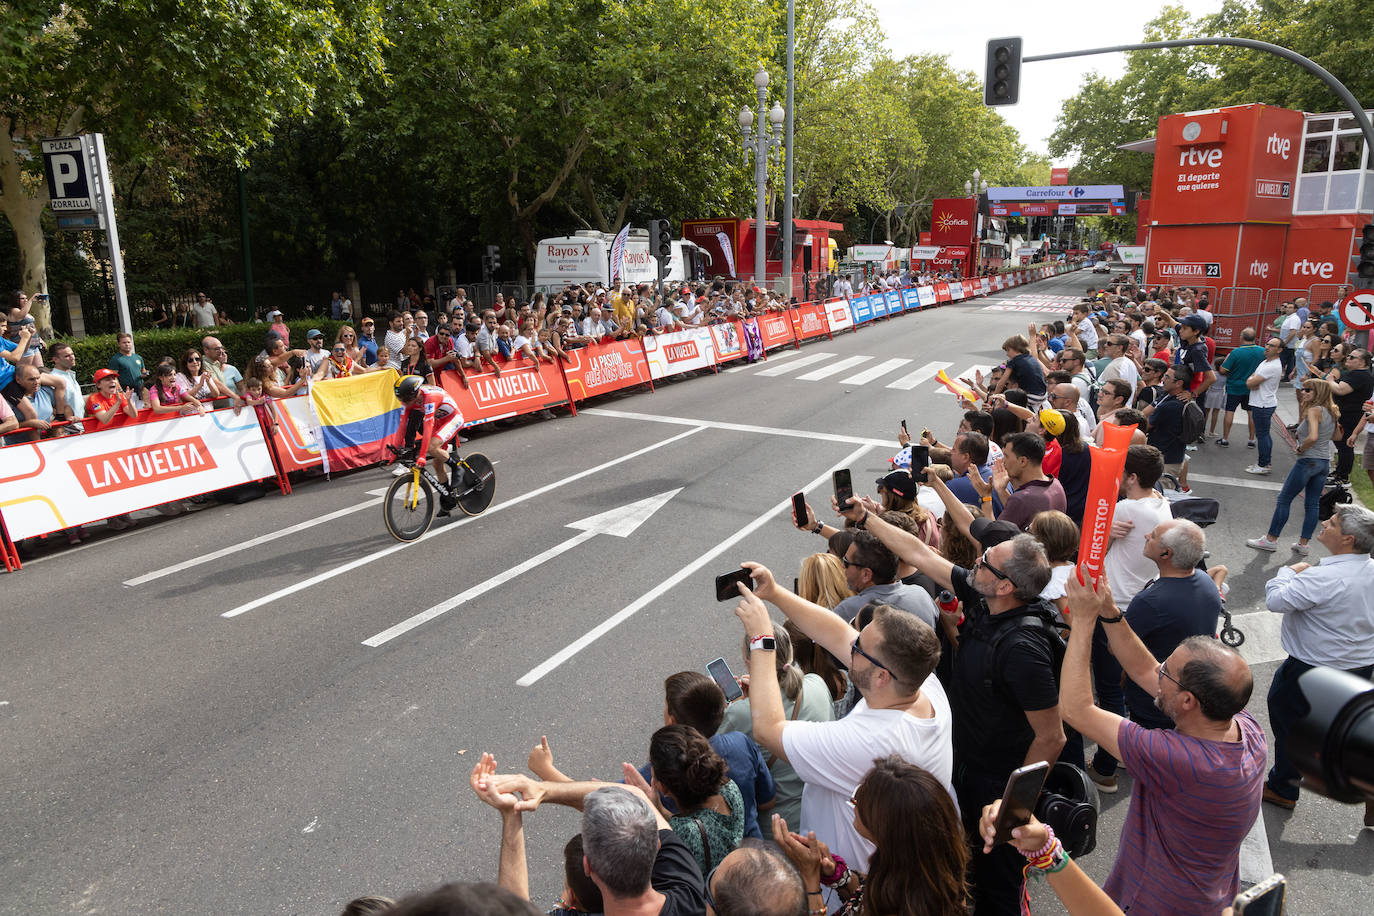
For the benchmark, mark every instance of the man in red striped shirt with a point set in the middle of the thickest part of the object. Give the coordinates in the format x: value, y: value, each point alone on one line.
x: 1197, y: 785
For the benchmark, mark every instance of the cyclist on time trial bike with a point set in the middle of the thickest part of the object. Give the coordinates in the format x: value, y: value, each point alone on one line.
x: 441, y: 421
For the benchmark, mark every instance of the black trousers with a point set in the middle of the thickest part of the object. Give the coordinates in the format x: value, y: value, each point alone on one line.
x: 995, y: 878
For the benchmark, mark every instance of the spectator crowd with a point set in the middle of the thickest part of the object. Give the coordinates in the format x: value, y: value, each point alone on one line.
x: 945, y: 637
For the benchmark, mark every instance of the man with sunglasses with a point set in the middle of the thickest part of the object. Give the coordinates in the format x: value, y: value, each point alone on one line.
x: 440, y: 350
x: 1197, y: 785
x: 870, y: 571
x: 1002, y: 683
x: 903, y: 709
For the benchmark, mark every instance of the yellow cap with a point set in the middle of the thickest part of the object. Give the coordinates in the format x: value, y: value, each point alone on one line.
x: 1052, y: 420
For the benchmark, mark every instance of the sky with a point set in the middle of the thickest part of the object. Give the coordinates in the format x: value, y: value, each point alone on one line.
x: 962, y: 31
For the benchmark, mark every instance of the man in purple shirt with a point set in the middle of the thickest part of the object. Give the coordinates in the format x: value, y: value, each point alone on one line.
x: 1197, y: 786
x: 1033, y: 490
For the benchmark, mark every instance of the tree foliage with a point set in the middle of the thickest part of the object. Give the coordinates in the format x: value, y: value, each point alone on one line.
x: 1105, y: 113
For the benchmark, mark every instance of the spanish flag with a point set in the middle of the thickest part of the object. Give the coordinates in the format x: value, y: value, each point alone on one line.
x: 358, y: 416
x: 955, y: 387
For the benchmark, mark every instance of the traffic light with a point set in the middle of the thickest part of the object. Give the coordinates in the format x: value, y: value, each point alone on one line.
x: 494, y: 257
x: 1002, y: 77
x: 1365, y: 270
x: 661, y: 238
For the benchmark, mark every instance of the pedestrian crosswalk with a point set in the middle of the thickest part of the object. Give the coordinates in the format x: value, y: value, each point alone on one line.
x: 896, y: 373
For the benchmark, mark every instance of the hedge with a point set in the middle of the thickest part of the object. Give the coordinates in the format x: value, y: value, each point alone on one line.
x: 241, y: 341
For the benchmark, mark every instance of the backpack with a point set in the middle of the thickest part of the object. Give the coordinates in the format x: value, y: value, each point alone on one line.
x: 1038, y: 617
x: 1089, y: 375
x: 1193, y: 421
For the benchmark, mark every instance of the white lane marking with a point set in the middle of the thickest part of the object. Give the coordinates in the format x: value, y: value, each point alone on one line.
x: 1261, y: 630
x: 381, y: 491
x: 1256, y: 864
x: 876, y: 372
x: 806, y: 360
x: 619, y: 522
x: 666, y: 585
x: 921, y: 375
x: 1234, y: 482
x: 772, y: 358
x: 834, y: 368
x: 252, y: 542
x: 453, y: 526
x: 405, y: 626
x: 740, y: 427
x: 310, y: 827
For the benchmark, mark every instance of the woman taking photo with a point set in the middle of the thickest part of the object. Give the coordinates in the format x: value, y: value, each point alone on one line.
x: 198, y: 380
x: 805, y: 698
x: 1308, y: 475
x: 917, y: 867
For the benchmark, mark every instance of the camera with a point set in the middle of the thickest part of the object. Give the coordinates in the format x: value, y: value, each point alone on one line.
x: 1333, y: 744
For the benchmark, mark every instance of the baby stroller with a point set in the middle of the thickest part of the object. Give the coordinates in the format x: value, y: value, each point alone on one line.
x: 1203, y: 511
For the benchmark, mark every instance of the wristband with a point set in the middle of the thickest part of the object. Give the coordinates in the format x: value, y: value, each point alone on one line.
x: 862, y: 522
x: 1117, y: 619
x: 820, y: 526
x: 987, y: 499
x: 841, y: 874
x: 1043, y: 850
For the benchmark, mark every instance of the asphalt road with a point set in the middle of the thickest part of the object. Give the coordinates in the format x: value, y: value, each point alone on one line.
x: 161, y: 756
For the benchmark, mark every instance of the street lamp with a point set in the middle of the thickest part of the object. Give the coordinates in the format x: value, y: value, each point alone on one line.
x: 761, y: 143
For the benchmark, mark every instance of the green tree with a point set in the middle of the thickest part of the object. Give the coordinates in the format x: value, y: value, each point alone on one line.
x: 210, y: 78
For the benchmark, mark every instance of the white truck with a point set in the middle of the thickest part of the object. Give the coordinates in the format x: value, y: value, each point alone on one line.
x: 585, y: 257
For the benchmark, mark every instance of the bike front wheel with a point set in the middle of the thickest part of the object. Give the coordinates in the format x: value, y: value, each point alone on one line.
x: 479, y: 481
x: 409, y: 507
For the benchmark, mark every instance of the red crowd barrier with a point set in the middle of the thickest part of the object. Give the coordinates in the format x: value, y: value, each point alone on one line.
x: 605, y: 367
x: 521, y: 387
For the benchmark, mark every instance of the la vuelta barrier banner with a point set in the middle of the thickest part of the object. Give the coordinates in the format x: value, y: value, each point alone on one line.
x: 58, y: 483
x: 956, y: 290
x: 942, y: 292
x: 681, y: 351
x: 295, y: 434
x: 925, y: 296
x: 605, y: 367
x: 775, y: 329
x: 522, y: 387
x: 862, y: 309
x: 1104, y: 484
x: 728, y: 338
x: 808, y: 321
x: 838, y: 315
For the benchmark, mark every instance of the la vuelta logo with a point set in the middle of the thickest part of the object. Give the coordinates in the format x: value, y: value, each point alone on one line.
x: 135, y: 467
x: 679, y: 352
x: 510, y: 386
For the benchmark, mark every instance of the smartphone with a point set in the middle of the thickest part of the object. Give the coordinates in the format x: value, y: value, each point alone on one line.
x: 799, y: 509
x: 1018, y: 802
x: 725, y: 585
x: 723, y: 676
x: 904, y: 429
x: 844, y: 487
x: 1264, y: 899
x: 920, y: 459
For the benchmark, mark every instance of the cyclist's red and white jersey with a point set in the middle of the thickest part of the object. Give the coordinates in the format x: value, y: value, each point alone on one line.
x: 441, y: 418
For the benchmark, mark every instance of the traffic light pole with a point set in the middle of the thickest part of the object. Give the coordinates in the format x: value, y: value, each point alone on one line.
x: 1346, y: 96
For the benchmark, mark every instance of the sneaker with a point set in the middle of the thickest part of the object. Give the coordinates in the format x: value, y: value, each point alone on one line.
x: 1262, y: 544
x: 1250, y: 444
x: 399, y: 471
x: 448, y: 502
x: 1190, y: 448
x: 1256, y: 469
x: 1299, y: 548
x: 1224, y: 443
x: 1274, y: 798
x: 1105, y: 784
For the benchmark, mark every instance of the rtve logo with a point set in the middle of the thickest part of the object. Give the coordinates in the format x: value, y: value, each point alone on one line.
x: 1278, y: 146
x: 1209, y: 158
x: 1259, y: 269
x: 1306, y: 268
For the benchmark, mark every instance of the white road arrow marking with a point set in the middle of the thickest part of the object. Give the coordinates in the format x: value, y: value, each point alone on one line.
x: 619, y: 522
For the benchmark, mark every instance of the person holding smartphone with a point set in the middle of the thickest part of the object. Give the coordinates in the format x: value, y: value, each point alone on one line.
x: 903, y: 710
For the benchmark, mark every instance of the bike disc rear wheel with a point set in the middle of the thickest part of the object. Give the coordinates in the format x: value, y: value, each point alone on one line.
x: 479, y: 492
x: 404, y: 521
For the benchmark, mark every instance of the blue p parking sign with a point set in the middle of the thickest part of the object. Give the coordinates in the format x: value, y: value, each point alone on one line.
x: 67, y: 164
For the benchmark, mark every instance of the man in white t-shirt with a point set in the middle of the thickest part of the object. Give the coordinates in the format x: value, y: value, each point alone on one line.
x: 1264, y: 400
x: 1121, y: 366
x: 844, y: 288
x: 1139, y: 511
x: 1288, y: 333
x: 203, y: 311
x: 903, y: 711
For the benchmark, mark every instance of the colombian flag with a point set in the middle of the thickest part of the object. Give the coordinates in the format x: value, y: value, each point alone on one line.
x: 358, y: 415
x: 956, y: 387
